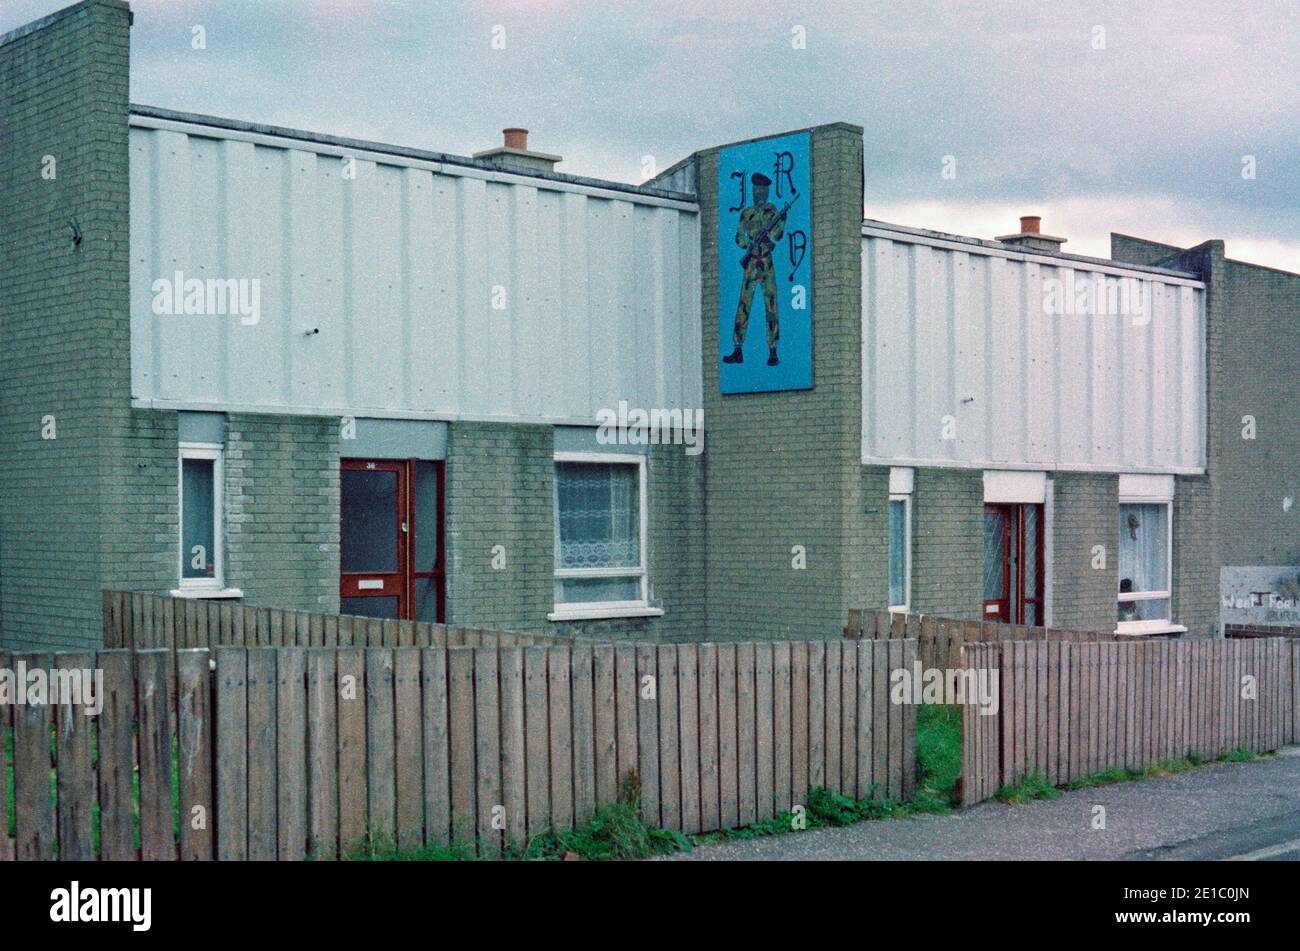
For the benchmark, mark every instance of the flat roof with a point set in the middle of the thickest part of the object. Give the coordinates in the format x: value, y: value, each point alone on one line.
x: 401, y: 151
x: 981, y: 245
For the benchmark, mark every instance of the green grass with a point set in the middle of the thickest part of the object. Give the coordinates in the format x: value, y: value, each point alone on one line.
x: 938, y: 756
x: 1032, y: 787
x: 1037, y: 786
x: 614, y: 833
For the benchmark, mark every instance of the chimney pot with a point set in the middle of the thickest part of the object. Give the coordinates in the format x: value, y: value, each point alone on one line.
x: 1030, y: 224
x: 516, y: 156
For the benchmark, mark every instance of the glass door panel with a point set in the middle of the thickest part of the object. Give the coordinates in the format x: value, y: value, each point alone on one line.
x: 372, y: 543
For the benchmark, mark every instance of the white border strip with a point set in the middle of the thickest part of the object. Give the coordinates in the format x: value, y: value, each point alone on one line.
x: 388, y: 158
x: 1077, y: 264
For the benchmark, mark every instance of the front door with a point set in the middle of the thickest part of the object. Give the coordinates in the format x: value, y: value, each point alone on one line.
x: 1013, y: 564
x: 391, y: 553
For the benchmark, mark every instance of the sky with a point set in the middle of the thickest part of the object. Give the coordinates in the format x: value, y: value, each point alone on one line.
x: 1177, y: 121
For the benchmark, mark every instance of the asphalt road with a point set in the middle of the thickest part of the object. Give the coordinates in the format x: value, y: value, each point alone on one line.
x: 1246, y: 811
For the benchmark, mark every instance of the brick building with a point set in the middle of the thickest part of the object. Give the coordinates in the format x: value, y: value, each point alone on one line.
x: 310, y: 372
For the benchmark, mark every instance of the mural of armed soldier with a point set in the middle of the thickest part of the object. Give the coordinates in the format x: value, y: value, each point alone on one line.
x: 761, y: 226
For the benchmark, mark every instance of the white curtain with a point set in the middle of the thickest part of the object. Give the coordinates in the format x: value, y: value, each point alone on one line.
x: 1144, y: 547
x: 599, y: 515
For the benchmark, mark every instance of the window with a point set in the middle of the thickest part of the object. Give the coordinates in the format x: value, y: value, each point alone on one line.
x: 900, y: 552
x: 201, y: 553
x: 600, y: 549
x: 1145, y: 542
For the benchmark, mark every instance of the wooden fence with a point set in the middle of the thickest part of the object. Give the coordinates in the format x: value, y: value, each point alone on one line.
x: 941, y: 639
x: 144, y: 621
x: 1068, y: 710
x: 297, y: 751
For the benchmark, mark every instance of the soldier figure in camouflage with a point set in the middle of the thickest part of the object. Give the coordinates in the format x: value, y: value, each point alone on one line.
x: 761, y: 226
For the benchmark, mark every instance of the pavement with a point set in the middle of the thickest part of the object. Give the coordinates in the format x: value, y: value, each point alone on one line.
x: 1245, y: 811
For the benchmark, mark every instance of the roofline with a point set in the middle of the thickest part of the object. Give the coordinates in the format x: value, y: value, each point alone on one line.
x: 29, y: 28
x: 995, y: 247
x: 1175, y: 249
x: 1262, y: 267
x: 421, y: 155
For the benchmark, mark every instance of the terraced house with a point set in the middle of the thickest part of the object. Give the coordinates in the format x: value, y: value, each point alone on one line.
x: 256, y: 363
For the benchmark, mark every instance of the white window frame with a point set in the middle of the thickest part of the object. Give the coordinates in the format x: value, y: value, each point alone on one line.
x: 906, y: 499
x: 1157, y: 625
x: 592, y: 610
x: 203, y: 587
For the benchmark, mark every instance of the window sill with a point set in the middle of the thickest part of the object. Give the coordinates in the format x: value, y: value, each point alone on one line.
x: 207, y: 594
x: 1148, y: 628
x: 596, y: 613
x: 899, y: 609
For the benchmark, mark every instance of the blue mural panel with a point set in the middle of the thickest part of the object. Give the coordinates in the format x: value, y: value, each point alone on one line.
x: 765, y: 306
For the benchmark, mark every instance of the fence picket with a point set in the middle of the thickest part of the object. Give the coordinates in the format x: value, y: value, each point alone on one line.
x: 322, y: 754
x: 710, y: 799
x: 584, y: 733
x: 764, y: 754
x: 75, y: 776
x: 833, y: 744
x: 561, y: 737
x: 194, y: 754
x: 514, y: 764
x: 605, y: 725
x: 728, y: 774
x: 799, y: 721
x: 408, y: 736
x: 625, y: 714
x: 487, y: 751
x: 688, y: 744
x: 781, y: 736
x: 153, y: 691
x: 232, y: 753
x: 746, y: 737
x: 646, y: 738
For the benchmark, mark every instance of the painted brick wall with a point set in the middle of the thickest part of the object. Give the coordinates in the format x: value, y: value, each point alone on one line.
x: 784, y: 469
x: 1260, y: 377
x: 282, y: 510
x: 69, y: 522
x: 1196, y: 561
x: 1237, y: 516
x: 948, y: 542
x: 1085, y: 513
x: 501, y: 491
x: 500, y: 481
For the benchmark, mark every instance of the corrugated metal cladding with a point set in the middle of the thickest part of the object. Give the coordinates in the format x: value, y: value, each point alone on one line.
x: 377, y: 294
x: 964, y: 365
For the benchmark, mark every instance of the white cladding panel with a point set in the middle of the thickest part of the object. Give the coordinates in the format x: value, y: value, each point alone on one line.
x: 397, y: 270
x: 957, y: 342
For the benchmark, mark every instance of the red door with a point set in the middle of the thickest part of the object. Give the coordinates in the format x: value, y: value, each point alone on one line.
x: 1013, y: 564
x: 391, y: 551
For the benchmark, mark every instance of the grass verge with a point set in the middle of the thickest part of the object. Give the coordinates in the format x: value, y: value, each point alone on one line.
x: 1037, y: 786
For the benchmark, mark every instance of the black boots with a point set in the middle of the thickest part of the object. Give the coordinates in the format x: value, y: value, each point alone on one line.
x: 736, y: 356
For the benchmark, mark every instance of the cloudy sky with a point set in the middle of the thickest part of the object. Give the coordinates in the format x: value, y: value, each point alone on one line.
x: 1136, y: 116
